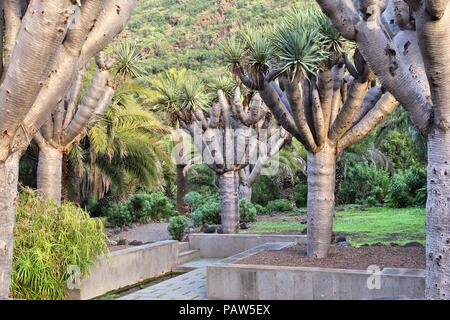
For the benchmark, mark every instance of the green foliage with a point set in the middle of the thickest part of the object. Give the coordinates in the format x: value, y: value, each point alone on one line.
x: 208, y: 213
x: 48, y: 240
x: 202, y: 180
x: 364, y: 184
x: 300, y: 194
x: 260, y: 210
x: 408, y: 188
x: 264, y: 190
x: 141, y: 208
x: 279, y: 205
x: 399, y: 146
x: 119, y: 215
x: 177, y: 227
x: 247, y: 211
x: 195, y: 200
x: 146, y: 207
x: 186, y: 34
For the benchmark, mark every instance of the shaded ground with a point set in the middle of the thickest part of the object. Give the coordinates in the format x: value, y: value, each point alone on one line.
x: 344, y: 258
x: 370, y: 226
x: 146, y: 233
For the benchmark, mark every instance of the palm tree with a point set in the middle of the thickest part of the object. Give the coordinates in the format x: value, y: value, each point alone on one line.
x: 299, y: 69
x: 124, y: 150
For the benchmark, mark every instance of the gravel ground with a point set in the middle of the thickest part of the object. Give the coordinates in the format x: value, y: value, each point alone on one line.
x: 344, y: 258
x: 145, y: 233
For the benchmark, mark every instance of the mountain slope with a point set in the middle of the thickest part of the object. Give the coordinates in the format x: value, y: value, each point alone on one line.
x: 185, y: 33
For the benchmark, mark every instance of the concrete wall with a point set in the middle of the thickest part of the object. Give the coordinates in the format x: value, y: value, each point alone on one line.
x: 127, y: 267
x: 247, y: 282
x: 226, y: 245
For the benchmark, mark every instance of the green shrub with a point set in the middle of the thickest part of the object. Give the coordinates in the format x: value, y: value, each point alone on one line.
x: 119, y: 215
x: 260, y: 209
x: 300, y: 194
x: 195, y: 200
x: 279, y: 205
x: 141, y: 208
x: 408, y: 188
x: 48, y: 240
x: 264, y: 190
x: 364, y: 184
x: 247, y: 211
x: 208, y: 213
x: 177, y: 227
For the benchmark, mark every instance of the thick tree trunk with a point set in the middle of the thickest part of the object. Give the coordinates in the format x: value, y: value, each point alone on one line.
x: 49, y: 173
x: 438, y: 216
x: 182, y: 189
x: 9, y: 175
x: 229, y: 201
x: 245, y: 192
x: 321, y: 188
x: 65, y: 177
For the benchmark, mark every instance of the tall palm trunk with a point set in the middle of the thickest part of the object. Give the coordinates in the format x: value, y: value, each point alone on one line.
x: 321, y: 187
x: 9, y: 173
x: 49, y: 173
x: 229, y: 201
x: 438, y: 215
x: 182, y: 189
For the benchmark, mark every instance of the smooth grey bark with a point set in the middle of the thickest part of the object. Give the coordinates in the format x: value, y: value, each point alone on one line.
x: 321, y: 199
x: 245, y: 192
x: 229, y: 201
x: 325, y: 112
x: 400, y: 67
x: 438, y: 215
x: 9, y: 175
x: 182, y: 188
x: 223, y: 137
x: 49, y: 172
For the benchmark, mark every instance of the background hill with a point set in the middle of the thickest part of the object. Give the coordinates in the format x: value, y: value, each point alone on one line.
x: 185, y: 33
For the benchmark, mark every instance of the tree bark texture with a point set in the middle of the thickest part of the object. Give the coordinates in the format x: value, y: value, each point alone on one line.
x: 229, y: 202
x: 49, y: 173
x: 321, y: 189
x: 9, y: 175
x: 182, y: 189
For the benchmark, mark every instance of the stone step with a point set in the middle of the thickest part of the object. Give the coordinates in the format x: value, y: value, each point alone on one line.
x: 183, y: 247
x: 189, y: 255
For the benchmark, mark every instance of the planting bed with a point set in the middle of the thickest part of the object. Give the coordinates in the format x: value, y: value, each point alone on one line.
x: 343, y: 258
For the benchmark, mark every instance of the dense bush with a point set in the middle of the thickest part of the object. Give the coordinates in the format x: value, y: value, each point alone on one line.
x: 195, y: 200
x: 119, y: 215
x: 279, y: 205
x: 260, y: 209
x: 264, y: 190
x: 247, y: 211
x: 300, y: 194
x: 364, y: 184
x: 177, y: 227
x: 408, y: 188
x: 48, y: 240
x: 141, y: 208
x: 208, y: 213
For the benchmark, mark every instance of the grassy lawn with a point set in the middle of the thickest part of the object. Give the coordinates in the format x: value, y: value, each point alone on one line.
x: 385, y: 225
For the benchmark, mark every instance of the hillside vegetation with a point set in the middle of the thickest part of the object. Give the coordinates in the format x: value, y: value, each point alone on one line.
x: 185, y: 33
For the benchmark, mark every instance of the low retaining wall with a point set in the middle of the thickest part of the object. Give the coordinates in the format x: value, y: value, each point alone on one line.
x: 230, y: 281
x: 127, y: 267
x: 226, y: 245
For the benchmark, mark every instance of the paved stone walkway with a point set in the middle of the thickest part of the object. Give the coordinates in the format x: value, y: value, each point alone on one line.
x: 188, y: 286
x: 192, y: 285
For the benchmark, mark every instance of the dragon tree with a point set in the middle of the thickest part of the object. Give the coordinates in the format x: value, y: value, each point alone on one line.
x: 321, y: 96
